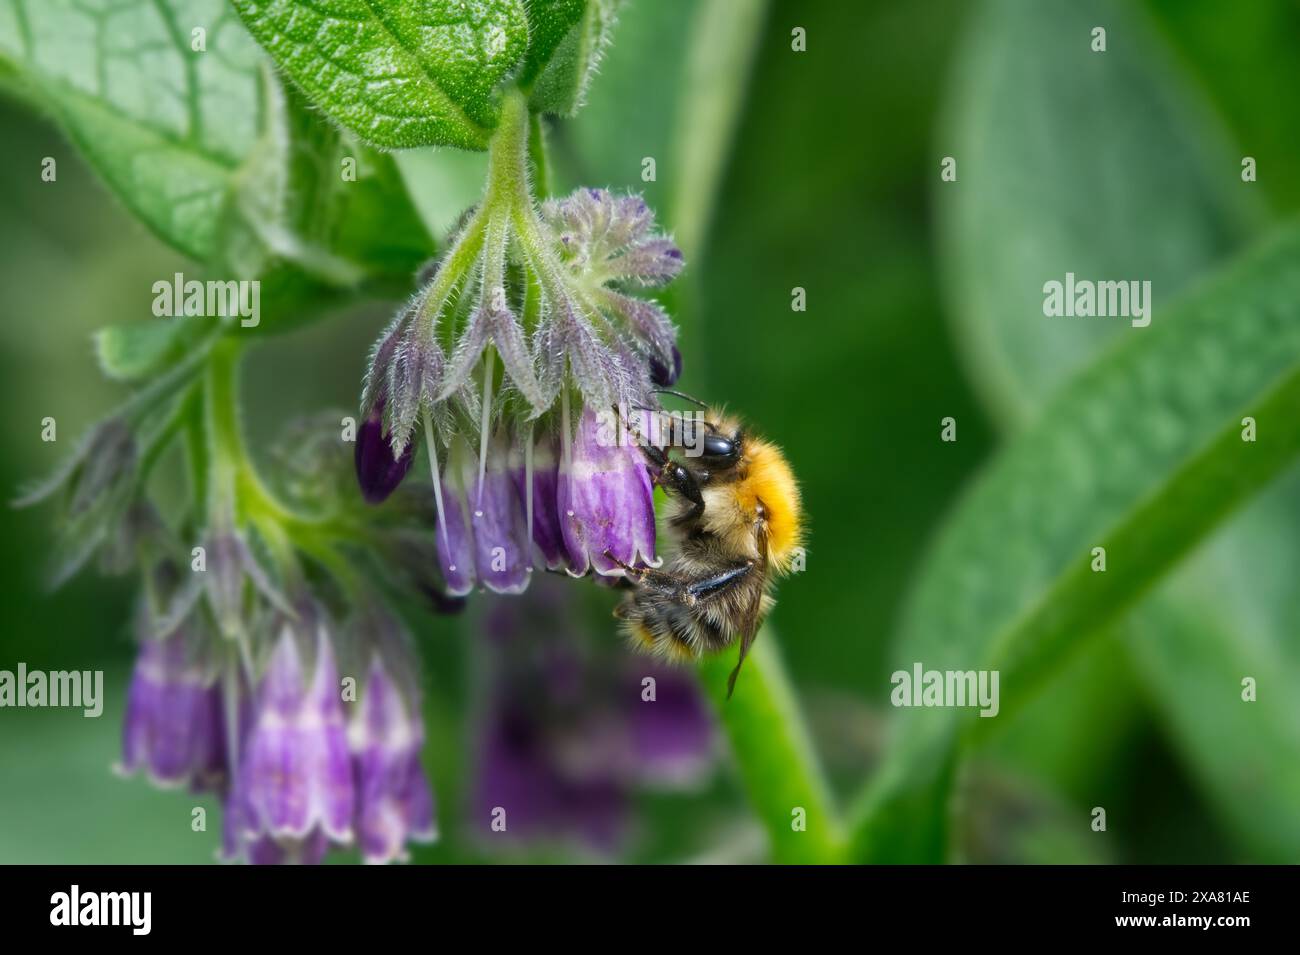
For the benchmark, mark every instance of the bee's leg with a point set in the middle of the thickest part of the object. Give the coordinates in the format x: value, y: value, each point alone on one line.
x: 675, y: 477
x: 716, y: 583
x: 658, y: 581
x: 681, y: 589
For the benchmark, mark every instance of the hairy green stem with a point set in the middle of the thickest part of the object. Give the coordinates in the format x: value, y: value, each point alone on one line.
x: 225, y: 453
x: 236, y: 494
x: 542, y: 185
x: 775, y: 755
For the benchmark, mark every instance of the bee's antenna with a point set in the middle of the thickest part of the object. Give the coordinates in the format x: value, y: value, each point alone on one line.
x: 679, y: 394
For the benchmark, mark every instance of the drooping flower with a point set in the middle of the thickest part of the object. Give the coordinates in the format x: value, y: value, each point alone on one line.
x: 394, y: 801
x: 537, y: 485
x: 379, y: 470
x: 481, y: 532
x: 404, y: 375
x: 669, y: 728
x: 452, y: 534
x: 608, y: 242
x: 294, y: 792
x: 497, y: 517
x: 174, y: 729
x: 605, y: 502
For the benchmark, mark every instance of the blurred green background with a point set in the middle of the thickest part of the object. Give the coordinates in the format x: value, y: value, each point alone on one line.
x: 830, y: 183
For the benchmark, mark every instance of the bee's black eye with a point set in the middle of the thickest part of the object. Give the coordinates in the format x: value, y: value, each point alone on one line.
x: 719, y: 446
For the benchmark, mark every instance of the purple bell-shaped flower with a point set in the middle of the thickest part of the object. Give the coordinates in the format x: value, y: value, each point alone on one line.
x: 173, y: 730
x: 605, y: 501
x: 394, y: 802
x: 294, y: 791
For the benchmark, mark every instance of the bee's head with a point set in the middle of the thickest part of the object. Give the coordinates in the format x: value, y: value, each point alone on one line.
x: 721, y: 452
x: 716, y: 443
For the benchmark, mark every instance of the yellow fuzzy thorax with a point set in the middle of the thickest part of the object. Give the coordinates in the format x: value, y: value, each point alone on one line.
x: 768, y: 478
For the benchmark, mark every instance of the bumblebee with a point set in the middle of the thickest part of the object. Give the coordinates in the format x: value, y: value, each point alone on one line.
x: 733, y: 527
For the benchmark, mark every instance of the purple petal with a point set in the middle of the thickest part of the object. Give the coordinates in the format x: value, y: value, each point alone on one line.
x: 455, y: 542
x: 394, y: 801
x: 504, y: 560
x: 173, y: 727
x: 547, y: 535
x: 518, y: 774
x: 606, y: 502
x: 378, y: 470
x: 296, y: 773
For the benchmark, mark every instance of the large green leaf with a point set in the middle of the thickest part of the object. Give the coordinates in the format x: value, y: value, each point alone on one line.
x: 1141, y: 454
x: 398, y: 74
x: 204, y: 146
x: 1069, y: 160
x: 1047, y: 157
x: 167, y: 127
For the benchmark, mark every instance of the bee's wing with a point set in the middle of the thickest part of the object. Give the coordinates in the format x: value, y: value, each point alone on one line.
x: 749, y: 619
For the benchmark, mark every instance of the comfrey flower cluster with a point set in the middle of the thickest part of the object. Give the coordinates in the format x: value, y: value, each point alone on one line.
x: 302, y: 759
x: 521, y: 476
x: 270, y: 671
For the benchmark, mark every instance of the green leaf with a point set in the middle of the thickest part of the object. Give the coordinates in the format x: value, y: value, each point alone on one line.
x: 140, y: 349
x: 205, y: 147
x: 565, y: 41
x: 331, y: 196
x: 1193, y: 654
x: 1045, y: 160
x: 398, y: 74
x: 1072, y: 161
x: 165, y: 126
x: 1141, y: 454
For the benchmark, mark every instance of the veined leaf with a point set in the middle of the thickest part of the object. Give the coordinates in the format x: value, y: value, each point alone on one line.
x: 565, y: 41
x: 1049, y: 182
x: 1142, y: 455
x: 178, y: 110
x: 396, y: 73
x: 165, y: 125
x: 1069, y: 160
